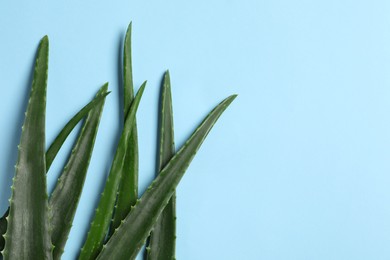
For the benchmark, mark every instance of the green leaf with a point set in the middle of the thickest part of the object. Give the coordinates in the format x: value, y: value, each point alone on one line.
x: 128, y: 87
x: 52, y: 152
x: 128, y: 239
x: 61, y: 137
x: 162, y: 239
x: 103, y: 214
x: 66, y: 195
x: 28, y: 234
x: 128, y: 186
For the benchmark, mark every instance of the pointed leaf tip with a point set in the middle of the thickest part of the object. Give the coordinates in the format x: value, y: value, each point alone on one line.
x: 230, y: 99
x: 30, y: 175
x: 162, y: 239
x: 60, y: 139
x: 95, y: 238
x: 129, y: 238
x: 44, y: 40
x: 66, y: 195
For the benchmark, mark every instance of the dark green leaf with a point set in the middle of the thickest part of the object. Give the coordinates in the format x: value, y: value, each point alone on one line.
x: 103, y: 214
x: 28, y: 234
x: 52, y: 152
x: 162, y: 239
x: 128, y: 87
x: 66, y: 195
x: 128, y: 186
x: 128, y: 239
x: 61, y: 137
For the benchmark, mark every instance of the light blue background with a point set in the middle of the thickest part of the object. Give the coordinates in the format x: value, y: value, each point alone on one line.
x: 297, y: 168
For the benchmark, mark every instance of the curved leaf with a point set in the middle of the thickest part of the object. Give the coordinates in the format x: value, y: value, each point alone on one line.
x: 52, y: 152
x: 66, y: 195
x: 61, y: 137
x: 103, y: 214
x: 128, y: 239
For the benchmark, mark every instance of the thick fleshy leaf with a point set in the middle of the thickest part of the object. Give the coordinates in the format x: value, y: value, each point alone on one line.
x: 103, y: 214
x: 162, y: 240
x: 27, y: 235
x: 128, y: 239
x: 52, y: 152
x: 65, y: 197
x: 61, y: 137
x: 128, y: 186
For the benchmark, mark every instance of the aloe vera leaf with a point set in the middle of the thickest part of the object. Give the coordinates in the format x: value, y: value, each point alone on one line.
x: 61, y: 137
x: 128, y: 186
x: 128, y: 87
x: 162, y: 240
x: 66, y: 195
x: 128, y: 239
x: 52, y: 152
x: 103, y: 213
x: 27, y: 235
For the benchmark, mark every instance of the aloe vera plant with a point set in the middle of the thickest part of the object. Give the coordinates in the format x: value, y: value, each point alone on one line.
x: 37, y: 225
x: 54, y: 149
x: 65, y: 197
x: 162, y: 240
x: 60, y: 139
x: 128, y: 186
x: 101, y: 221
x: 128, y: 239
x: 27, y: 166
x: 28, y: 217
